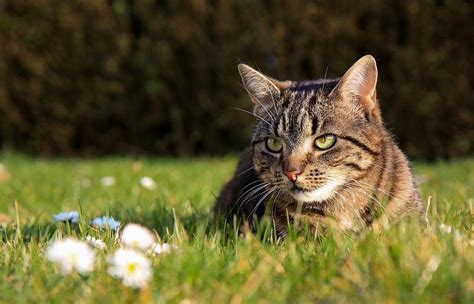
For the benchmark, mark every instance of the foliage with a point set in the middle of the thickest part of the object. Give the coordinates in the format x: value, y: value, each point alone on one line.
x: 122, y: 76
x: 406, y: 263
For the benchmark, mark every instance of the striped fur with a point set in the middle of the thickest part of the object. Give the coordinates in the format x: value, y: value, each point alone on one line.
x: 364, y: 179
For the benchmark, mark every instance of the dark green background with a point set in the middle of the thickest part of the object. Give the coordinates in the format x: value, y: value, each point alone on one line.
x: 159, y: 77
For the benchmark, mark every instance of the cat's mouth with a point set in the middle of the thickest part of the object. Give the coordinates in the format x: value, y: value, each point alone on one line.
x: 297, y: 189
x: 320, y: 194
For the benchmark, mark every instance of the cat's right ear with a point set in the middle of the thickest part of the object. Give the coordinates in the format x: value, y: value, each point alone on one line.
x: 359, y: 85
x: 263, y: 91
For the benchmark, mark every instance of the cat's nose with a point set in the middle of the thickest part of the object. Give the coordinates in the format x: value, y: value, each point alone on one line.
x: 292, y: 175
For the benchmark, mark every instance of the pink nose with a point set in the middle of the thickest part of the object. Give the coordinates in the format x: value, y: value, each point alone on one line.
x: 292, y: 175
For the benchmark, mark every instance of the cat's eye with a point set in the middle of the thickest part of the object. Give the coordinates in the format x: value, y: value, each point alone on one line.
x: 325, y: 142
x: 273, y: 144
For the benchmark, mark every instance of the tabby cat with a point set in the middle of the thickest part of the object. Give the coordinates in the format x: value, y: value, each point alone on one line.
x: 320, y: 155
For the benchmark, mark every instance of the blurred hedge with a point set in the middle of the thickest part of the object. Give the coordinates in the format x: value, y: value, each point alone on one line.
x: 96, y: 77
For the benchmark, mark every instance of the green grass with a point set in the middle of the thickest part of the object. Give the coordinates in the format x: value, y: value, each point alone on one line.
x: 405, y: 263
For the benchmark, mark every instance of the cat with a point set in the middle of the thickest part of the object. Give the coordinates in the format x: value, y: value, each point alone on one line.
x: 320, y: 155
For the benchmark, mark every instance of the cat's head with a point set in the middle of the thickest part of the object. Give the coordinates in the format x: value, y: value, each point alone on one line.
x: 313, y: 138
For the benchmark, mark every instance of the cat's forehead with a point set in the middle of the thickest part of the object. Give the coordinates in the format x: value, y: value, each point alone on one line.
x: 300, y: 113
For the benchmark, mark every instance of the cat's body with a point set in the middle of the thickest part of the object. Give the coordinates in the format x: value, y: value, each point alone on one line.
x: 321, y: 154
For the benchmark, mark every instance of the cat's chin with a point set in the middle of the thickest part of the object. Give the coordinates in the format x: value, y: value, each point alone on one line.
x: 321, y: 194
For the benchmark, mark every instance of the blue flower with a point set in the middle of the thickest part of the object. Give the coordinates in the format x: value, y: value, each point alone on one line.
x: 106, y: 222
x: 68, y: 216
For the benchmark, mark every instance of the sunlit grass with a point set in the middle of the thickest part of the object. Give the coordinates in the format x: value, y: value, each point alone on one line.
x: 406, y: 263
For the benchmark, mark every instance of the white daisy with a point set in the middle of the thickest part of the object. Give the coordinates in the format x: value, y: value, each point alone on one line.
x: 108, y: 181
x: 131, y: 266
x: 137, y: 236
x: 445, y: 228
x: 71, y: 255
x: 96, y: 243
x: 148, y: 183
x: 158, y: 249
x: 68, y: 216
x: 106, y: 222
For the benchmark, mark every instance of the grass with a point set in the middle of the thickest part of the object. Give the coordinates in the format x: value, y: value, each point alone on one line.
x: 404, y: 263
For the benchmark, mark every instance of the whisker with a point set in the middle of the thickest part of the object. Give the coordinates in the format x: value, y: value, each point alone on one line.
x: 262, y: 199
x: 255, y: 98
x: 253, y: 185
x: 254, y: 115
x: 368, y: 193
x: 242, y: 173
x: 250, y: 190
x: 274, y: 104
x: 248, y: 185
x: 324, y: 79
x: 250, y: 196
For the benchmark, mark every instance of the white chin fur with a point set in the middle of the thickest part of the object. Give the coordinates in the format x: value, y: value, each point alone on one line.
x: 323, y: 193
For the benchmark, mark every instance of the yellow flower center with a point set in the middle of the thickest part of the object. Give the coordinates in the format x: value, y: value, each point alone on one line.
x: 132, y: 267
x: 73, y: 259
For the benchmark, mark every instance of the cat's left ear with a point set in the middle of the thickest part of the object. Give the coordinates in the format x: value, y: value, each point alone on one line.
x: 359, y: 84
x: 263, y: 90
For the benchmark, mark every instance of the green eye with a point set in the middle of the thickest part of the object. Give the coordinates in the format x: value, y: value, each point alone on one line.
x: 273, y: 144
x: 325, y: 142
